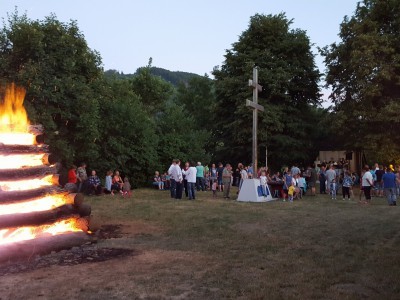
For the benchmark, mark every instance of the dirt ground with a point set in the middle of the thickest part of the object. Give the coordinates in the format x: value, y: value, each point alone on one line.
x: 135, y: 276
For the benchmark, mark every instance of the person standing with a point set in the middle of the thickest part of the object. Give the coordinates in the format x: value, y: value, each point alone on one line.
x: 389, y: 184
x: 200, y: 177
x: 172, y: 178
x: 227, y: 179
x: 185, y: 185
x: 190, y: 174
x: 347, y: 184
x: 243, y: 176
x: 330, y: 177
x: 179, y: 180
x: 312, y: 181
x: 379, y: 171
x: 322, y: 180
x: 367, y: 184
x: 213, y: 174
x: 220, y: 170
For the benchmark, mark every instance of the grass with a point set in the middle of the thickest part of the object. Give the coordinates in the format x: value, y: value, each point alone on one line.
x: 313, y: 248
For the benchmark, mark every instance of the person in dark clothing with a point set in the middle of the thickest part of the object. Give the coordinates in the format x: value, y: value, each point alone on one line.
x: 322, y: 180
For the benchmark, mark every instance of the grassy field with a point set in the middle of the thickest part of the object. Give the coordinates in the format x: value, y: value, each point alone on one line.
x: 213, y: 248
x: 312, y: 248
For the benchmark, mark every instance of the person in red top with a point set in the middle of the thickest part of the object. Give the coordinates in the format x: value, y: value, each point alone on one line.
x: 72, y: 175
x: 72, y: 180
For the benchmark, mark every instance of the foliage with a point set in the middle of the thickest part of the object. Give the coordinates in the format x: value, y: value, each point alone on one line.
x: 128, y: 139
x: 289, y: 78
x: 52, y: 60
x: 173, y: 77
x: 364, y: 73
x: 152, y: 90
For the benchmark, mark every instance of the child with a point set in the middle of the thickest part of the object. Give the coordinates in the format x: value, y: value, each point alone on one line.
x: 107, y: 188
x: 287, y: 182
x: 333, y: 189
x: 263, y: 182
x: 347, y: 184
x: 291, y: 192
x: 126, y: 188
x: 214, y: 187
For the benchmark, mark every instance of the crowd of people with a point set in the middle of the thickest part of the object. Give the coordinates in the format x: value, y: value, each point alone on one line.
x: 379, y: 181
x: 194, y: 177
x: 80, y: 182
x: 288, y: 184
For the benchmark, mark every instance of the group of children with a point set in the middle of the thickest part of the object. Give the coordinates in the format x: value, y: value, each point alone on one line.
x: 115, y: 184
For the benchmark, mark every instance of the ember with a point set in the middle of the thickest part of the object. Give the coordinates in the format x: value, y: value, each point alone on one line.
x: 32, y: 205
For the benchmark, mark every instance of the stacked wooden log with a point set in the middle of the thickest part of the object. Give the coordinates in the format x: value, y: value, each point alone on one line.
x: 74, y: 206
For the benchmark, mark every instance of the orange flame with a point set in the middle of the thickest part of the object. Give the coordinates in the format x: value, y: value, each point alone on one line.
x: 46, y: 203
x: 14, y: 119
x: 14, y: 131
x: 13, y: 235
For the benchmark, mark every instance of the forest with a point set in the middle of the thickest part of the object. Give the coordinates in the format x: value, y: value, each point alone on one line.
x: 139, y: 122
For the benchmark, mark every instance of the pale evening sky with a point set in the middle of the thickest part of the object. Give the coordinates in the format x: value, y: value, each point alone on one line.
x: 179, y: 35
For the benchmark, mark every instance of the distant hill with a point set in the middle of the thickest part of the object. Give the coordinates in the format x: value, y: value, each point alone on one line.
x: 173, y: 77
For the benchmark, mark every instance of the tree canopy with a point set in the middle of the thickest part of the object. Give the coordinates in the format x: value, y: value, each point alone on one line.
x: 363, y: 70
x: 132, y: 124
x: 290, y: 92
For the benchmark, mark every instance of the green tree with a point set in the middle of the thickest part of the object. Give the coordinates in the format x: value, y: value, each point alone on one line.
x: 152, y: 90
x: 54, y: 63
x: 197, y: 96
x: 289, y: 78
x: 364, y: 73
x: 180, y: 137
x: 128, y: 139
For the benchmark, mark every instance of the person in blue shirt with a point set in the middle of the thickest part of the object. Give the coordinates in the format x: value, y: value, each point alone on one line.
x: 94, y: 184
x: 389, y: 185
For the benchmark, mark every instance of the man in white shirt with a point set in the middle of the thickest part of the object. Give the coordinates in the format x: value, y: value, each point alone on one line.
x: 178, y: 179
x: 172, y: 175
x: 191, y: 181
x: 367, y: 184
x: 330, y: 177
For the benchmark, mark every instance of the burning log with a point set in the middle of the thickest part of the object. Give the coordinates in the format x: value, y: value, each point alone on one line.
x: 17, y: 196
x: 23, y: 149
x: 84, y: 210
x: 27, y: 173
x: 75, y: 198
x: 36, y: 214
x: 38, y: 217
x: 42, y: 245
x: 36, y: 129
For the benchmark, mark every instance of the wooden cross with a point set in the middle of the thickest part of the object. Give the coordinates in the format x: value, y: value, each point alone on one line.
x: 256, y: 107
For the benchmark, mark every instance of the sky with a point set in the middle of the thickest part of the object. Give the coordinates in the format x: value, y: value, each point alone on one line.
x: 189, y: 36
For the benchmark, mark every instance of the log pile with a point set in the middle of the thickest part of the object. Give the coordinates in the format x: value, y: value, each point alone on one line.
x: 74, y: 206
